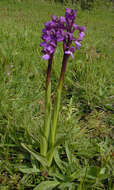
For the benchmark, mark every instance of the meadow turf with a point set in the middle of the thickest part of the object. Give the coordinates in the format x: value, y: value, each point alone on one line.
x: 86, y: 114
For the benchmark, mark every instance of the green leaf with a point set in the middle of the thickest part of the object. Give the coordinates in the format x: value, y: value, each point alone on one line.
x: 65, y: 185
x: 80, y: 187
x: 28, y: 170
x: 38, y: 157
x: 60, y: 140
x: 50, y: 153
x: 58, y: 175
x: 93, y: 172
x: 59, y: 161
x: 69, y: 156
x: 47, y: 185
x: 102, y: 171
x: 78, y: 173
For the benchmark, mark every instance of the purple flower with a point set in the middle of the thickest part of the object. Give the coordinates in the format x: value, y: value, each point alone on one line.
x: 70, y: 51
x: 61, y: 29
x: 70, y: 14
x: 60, y: 35
x: 54, y: 18
x: 81, y: 28
x: 81, y: 36
x: 46, y: 56
x: 62, y: 20
x: 78, y: 45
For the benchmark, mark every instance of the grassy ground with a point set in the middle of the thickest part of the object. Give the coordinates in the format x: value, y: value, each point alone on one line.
x: 86, y: 117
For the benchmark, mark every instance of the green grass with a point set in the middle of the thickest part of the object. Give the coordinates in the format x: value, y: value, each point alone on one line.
x: 86, y: 117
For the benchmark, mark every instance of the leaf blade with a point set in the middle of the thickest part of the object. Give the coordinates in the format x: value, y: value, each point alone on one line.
x: 47, y: 185
x: 38, y: 157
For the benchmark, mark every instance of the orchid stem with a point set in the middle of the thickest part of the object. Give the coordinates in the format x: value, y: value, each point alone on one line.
x: 44, y: 140
x: 57, y: 106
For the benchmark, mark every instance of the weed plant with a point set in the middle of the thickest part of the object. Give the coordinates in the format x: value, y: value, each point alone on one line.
x: 84, y: 159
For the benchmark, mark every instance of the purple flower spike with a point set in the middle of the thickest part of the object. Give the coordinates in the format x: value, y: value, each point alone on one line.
x: 61, y: 29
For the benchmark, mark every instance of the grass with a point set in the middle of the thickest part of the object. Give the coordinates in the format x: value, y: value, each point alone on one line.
x: 86, y: 117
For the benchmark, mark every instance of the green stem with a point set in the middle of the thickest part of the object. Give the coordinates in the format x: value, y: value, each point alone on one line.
x: 44, y: 141
x: 57, y: 106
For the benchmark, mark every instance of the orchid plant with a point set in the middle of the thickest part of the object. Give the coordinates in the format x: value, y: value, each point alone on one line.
x: 60, y: 29
x: 57, y: 30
